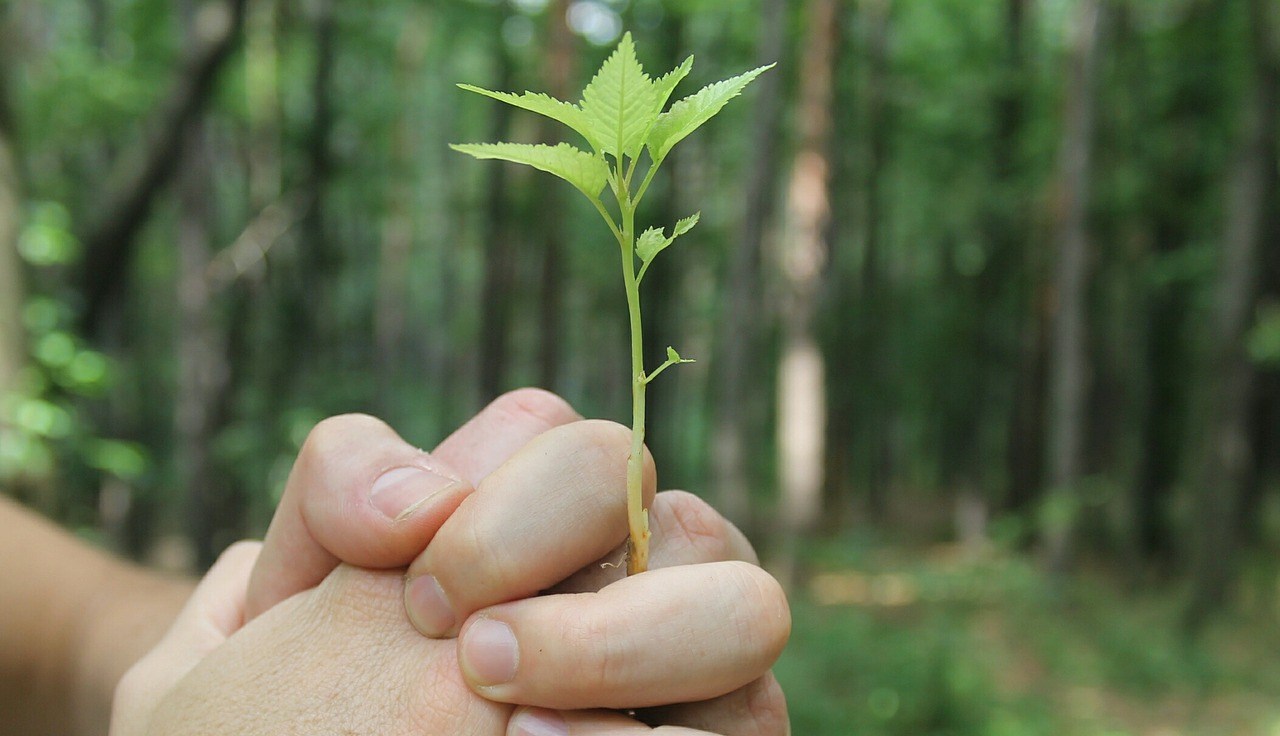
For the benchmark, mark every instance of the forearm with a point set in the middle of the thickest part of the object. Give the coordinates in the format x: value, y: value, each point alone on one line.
x: 72, y: 620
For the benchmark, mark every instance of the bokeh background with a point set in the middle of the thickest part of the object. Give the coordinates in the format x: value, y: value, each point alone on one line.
x: 985, y: 302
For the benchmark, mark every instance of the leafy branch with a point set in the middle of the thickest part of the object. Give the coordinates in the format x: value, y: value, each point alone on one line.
x: 622, y: 116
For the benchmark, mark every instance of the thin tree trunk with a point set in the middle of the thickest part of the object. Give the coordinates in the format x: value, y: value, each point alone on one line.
x: 1069, y: 386
x: 558, y: 74
x: 142, y: 171
x: 803, y: 254
x: 499, y: 250
x: 200, y: 349
x: 874, y: 311
x: 1009, y: 233
x: 262, y: 97
x: 662, y: 288
x: 1226, y: 468
x: 13, y: 347
x: 319, y: 259
x: 390, y: 311
x: 740, y: 316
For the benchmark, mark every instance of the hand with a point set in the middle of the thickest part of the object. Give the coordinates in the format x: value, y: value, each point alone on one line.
x: 586, y: 461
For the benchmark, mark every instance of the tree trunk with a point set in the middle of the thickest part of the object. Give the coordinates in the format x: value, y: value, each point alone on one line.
x: 662, y: 322
x: 201, y: 350
x: 558, y: 73
x: 391, y: 300
x: 1069, y: 386
x: 874, y: 311
x: 737, y: 392
x: 142, y: 171
x: 1224, y: 474
x: 803, y: 254
x: 13, y: 344
x: 499, y: 250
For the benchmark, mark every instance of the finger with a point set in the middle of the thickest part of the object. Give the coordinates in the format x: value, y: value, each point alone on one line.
x: 330, y: 512
x: 540, y: 722
x: 686, y: 531
x: 507, y: 424
x: 679, y: 634
x: 358, y: 494
x: 555, y: 506
x: 214, y: 612
x: 758, y: 709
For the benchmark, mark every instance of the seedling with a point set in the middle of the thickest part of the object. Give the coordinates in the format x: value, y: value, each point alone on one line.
x: 621, y: 115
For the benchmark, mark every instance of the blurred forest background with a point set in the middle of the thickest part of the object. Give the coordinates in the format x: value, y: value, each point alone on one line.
x: 985, y: 299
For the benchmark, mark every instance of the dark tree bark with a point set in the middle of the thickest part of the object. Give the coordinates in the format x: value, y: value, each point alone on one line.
x: 202, y: 360
x: 1069, y: 378
x: 1175, y: 187
x: 558, y: 73
x: 874, y: 310
x: 499, y: 249
x: 391, y: 306
x: 201, y: 346
x: 1225, y: 471
x: 663, y: 282
x: 13, y: 348
x: 142, y: 171
x: 1014, y: 258
x: 737, y: 395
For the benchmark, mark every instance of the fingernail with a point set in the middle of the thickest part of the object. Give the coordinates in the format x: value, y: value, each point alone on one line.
x: 538, y: 722
x: 429, y: 609
x: 399, y: 492
x: 490, y: 653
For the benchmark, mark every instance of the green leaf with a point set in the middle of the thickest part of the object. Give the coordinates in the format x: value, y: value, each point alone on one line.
x: 672, y: 355
x: 558, y: 110
x: 689, y: 114
x: 650, y: 243
x: 685, y: 225
x: 586, y: 172
x: 619, y: 103
x: 666, y: 84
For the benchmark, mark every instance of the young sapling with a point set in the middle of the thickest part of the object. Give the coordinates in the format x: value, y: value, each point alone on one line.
x: 622, y: 115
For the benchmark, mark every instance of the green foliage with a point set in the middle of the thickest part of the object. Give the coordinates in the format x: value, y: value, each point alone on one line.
x: 689, y: 114
x: 620, y: 115
x: 586, y: 172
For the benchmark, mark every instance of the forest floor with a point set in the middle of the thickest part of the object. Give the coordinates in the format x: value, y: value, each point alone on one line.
x: 933, y: 640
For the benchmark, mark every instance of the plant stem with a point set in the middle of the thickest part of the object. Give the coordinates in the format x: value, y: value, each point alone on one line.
x: 637, y: 516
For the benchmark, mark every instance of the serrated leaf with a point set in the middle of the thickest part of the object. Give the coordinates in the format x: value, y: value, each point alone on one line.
x: 666, y: 84
x: 685, y: 225
x: 650, y: 243
x: 689, y: 114
x: 585, y: 171
x: 563, y: 112
x: 618, y: 105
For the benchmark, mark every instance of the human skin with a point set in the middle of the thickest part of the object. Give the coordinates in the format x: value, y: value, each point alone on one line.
x: 527, y: 517
x: 86, y: 617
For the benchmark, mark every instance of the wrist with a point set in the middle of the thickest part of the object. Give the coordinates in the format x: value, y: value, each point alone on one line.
x: 123, y: 617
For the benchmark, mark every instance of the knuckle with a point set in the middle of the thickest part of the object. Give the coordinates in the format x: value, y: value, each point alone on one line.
x: 241, y: 552
x: 696, y: 525
x: 543, y: 406
x: 334, y: 433
x: 605, y: 436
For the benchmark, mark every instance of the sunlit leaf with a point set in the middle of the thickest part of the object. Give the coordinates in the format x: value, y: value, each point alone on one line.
x: 586, y: 172
x: 689, y: 114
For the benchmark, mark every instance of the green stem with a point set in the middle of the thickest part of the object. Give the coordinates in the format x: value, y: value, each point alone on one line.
x: 637, y: 516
